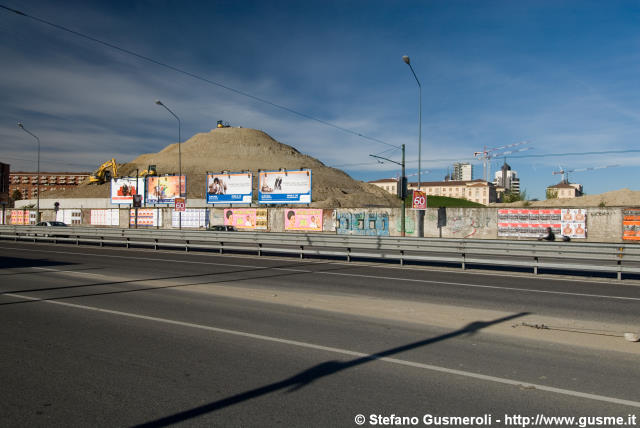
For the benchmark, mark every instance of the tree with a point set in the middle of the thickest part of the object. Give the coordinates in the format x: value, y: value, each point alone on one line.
x: 552, y: 193
x: 16, y: 195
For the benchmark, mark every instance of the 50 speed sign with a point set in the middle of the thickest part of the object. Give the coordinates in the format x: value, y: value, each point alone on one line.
x: 419, y: 200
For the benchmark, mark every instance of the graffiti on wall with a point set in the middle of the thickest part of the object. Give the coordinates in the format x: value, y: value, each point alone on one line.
x: 467, y: 227
x: 362, y: 223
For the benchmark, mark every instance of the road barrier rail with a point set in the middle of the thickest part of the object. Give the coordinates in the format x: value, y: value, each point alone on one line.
x: 618, y: 259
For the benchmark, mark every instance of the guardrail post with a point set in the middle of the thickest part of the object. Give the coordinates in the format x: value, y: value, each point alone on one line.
x: 102, y: 241
x: 259, y: 249
x: 77, y: 240
x: 348, y: 254
x: 464, y: 258
x: 619, y: 270
x: 186, y: 246
x: 301, y: 252
x: 221, y: 245
x: 127, y: 242
x: 401, y: 257
x: 535, y: 265
x: 155, y: 244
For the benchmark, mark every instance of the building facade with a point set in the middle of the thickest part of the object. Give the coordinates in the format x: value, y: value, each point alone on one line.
x: 479, y: 191
x: 564, y: 190
x: 507, y: 179
x: 462, y: 172
x: 27, y: 182
x: 388, y: 184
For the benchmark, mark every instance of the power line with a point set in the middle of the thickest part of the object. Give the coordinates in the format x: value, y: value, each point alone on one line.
x: 542, y: 155
x: 195, y: 76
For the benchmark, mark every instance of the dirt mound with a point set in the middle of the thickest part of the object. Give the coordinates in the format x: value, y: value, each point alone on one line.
x: 243, y: 149
x: 616, y: 198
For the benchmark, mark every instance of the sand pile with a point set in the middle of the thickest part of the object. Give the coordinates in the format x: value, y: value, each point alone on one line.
x: 616, y: 198
x: 243, y: 149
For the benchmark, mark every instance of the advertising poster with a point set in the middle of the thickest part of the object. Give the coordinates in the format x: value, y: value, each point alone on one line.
x: 533, y: 223
x: 105, y: 217
x: 284, y: 187
x: 164, y: 190
x: 246, y: 218
x: 70, y: 217
x: 20, y: 217
x: 147, y: 217
x: 230, y: 188
x: 631, y: 224
x: 123, y: 189
x: 308, y: 220
x: 191, y: 217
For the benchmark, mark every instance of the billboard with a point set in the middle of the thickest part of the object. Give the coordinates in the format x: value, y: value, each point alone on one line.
x: 631, y: 224
x: 164, y: 190
x: 246, y: 218
x: 230, y: 188
x: 123, y: 189
x: 308, y: 220
x: 532, y: 223
x: 284, y: 187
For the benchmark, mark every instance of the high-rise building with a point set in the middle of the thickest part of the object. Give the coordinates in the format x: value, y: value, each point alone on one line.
x: 507, y: 179
x: 462, y: 171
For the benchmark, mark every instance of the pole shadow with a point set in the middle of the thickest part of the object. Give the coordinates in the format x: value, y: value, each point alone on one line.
x: 307, y: 377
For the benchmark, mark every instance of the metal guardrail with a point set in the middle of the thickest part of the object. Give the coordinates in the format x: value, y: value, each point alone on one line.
x: 581, y: 257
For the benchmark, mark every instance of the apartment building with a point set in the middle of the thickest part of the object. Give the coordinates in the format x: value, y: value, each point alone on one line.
x: 388, y: 184
x: 565, y: 190
x: 27, y: 182
x: 479, y: 191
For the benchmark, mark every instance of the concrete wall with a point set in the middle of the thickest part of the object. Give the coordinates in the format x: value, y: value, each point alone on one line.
x: 603, y: 224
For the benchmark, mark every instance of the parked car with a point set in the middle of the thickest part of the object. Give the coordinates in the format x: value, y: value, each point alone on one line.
x: 52, y: 224
x: 222, y: 228
x: 53, y: 232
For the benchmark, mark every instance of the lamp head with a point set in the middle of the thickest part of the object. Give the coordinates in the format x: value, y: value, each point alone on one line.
x: 159, y: 102
x: 406, y: 59
x: 20, y: 125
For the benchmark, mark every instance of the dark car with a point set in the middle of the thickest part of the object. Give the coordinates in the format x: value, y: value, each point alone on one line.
x: 222, y: 228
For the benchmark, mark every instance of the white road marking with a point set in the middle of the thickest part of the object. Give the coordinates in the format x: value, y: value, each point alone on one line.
x: 340, y: 351
x: 355, y: 275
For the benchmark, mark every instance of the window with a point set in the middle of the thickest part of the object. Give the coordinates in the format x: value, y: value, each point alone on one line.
x: 360, y: 223
x: 372, y: 224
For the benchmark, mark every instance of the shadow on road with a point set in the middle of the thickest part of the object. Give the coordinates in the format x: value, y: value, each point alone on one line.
x: 319, y: 371
x: 208, y: 278
x: 18, y: 262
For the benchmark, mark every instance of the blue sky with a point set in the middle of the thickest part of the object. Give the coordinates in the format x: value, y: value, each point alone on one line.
x: 562, y: 75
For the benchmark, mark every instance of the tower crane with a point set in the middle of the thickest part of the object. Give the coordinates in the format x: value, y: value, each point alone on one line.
x: 565, y: 172
x: 487, y: 154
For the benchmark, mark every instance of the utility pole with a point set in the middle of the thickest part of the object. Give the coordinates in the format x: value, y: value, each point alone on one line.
x: 402, y: 191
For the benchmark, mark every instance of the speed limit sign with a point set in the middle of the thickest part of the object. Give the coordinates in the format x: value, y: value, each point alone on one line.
x: 419, y: 200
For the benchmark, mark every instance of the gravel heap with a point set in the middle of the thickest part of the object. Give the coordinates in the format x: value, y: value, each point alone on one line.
x: 244, y: 149
x: 616, y: 198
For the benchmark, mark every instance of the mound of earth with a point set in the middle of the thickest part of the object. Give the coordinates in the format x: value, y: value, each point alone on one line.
x: 244, y: 149
x: 616, y: 198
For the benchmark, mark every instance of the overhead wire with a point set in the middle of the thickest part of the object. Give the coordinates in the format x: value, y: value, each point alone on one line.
x: 195, y: 76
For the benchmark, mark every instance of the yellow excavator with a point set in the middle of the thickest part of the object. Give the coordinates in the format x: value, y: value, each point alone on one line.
x: 222, y: 124
x: 104, y: 173
x: 149, y: 171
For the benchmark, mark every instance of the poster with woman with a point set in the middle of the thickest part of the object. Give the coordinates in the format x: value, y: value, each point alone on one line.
x: 309, y: 220
x: 229, y: 188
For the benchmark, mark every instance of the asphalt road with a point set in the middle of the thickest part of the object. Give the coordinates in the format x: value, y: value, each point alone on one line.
x: 111, y: 337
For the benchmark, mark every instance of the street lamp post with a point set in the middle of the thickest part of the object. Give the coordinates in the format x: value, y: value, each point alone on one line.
x: 179, y: 158
x: 21, y: 126
x: 406, y: 59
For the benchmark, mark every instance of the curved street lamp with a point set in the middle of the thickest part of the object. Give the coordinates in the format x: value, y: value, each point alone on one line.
x: 406, y: 59
x: 179, y: 158
x: 21, y: 126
